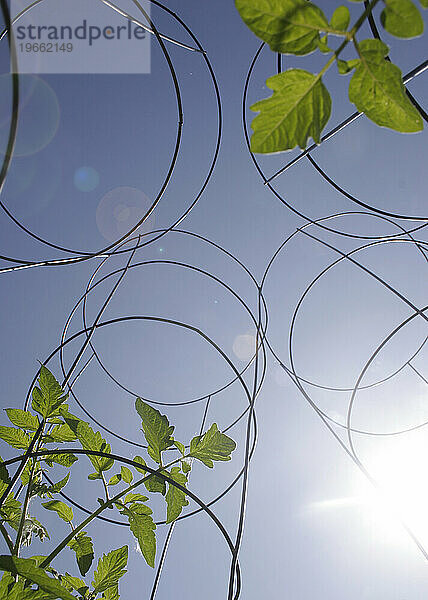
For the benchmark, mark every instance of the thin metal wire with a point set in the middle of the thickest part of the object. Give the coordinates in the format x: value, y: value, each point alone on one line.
x: 246, y: 382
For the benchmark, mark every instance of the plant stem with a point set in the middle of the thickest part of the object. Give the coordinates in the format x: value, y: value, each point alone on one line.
x: 350, y: 35
x: 105, y: 486
x: 24, y: 511
x: 23, y: 463
x: 28, y: 492
x: 99, y: 510
x: 6, y: 537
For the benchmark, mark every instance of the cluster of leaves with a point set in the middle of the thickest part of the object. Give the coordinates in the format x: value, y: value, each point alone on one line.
x: 41, y: 433
x: 300, y: 106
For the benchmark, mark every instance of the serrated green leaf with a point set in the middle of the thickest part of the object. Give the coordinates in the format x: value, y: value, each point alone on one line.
x: 299, y: 108
x: 175, y: 498
x: 156, y: 429
x: 126, y: 474
x: 63, y: 511
x: 288, y: 26
x: 49, y: 397
x: 62, y: 433
x: 377, y: 90
x: 84, y: 549
x: 213, y: 445
x: 340, y: 18
x: 402, y: 19
x: 110, y: 569
x: 19, y: 590
x: 26, y: 473
x: 22, y: 419
x: 155, y: 484
x: 75, y: 583
x: 11, y: 508
x: 90, y: 440
x: 65, y: 460
x: 142, y: 526
x: 94, y: 476
x: 26, y: 567
x: 112, y: 593
x: 186, y: 464
x: 14, y: 437
x: 57, y: 487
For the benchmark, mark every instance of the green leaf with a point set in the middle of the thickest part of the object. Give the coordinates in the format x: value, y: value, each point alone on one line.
x: 22, y: 418
x: 142, y: 526
x: 115, y: 479
x: 323, y: 46
x: 155, y: 484
x: 112, y: 593
x: 186, y: 464
x: 213, y: 445
x: 11, y: 590
x: 104, y: 502
x: 27, y: 568
x: 90, y: 440
x: 142, y: 462
x: 26, y: 473
x: 4, y: 477
x: 76, y: 584
x: 49, y: 397
x: 62, y: 433
x: 126, y: 474
x: 340, y: 18
x: 299, y: 107
x: 424, y: 3
x: 402, y: 19
x: 84, y: 549
x: 65, y: 460
x: 346, y: 66
x: 10, y: 509
x: 110, y: 569
x: 63, y: 511
x: 44, y: 490
x: 180, y: 447
x: 377, y: 89
x: 14, y: 437
x: 288, y: 26
x: 156, y: 429
x: 33, y: 526
x: 57, y: 487
x: 175, y: 498
x: 94, y: 476
x: 132, y: 497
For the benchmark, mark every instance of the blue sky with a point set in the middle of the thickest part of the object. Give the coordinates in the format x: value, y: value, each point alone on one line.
x: 94, y: 152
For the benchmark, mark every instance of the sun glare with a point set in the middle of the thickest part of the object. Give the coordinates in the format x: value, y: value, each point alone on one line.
x: 402, y: 482
x: 399, y: 496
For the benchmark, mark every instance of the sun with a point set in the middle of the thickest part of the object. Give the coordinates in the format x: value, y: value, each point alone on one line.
x: 400, y: 473
x: 398, y: 498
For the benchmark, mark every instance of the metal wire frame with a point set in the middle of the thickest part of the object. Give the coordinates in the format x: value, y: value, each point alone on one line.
x: 132, y: 243
x: 404, y: 236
